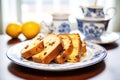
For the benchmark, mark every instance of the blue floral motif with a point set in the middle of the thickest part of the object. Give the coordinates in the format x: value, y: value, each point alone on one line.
x: 88, y: 14
x: 100, y: 13
x: 97, y: 54
x: 93, y: 31
x: 80, y: 25
x: 95, y: 13
x: 64, y: 28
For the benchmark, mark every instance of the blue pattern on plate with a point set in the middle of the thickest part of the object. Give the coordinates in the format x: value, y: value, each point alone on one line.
x: 97, y: 53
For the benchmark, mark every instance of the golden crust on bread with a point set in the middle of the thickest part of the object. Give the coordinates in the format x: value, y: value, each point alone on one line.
x: 60, y: 48
x: 34, y: 47
x: 67, y: 48
x: 52, y: 47
x: 76, y: 52
x: 83, y: 50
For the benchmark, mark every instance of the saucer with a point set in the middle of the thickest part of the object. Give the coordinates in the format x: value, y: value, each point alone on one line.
x: 106, y: 38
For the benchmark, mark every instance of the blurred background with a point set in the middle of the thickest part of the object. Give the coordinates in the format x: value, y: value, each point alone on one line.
x: 39, y: 10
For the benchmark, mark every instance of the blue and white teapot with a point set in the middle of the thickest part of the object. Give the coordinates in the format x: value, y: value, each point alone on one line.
x: 60, y: 23
x: 96, y: 11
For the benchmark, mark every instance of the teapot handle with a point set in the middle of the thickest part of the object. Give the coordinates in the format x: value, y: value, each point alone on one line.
x: 111, y: 8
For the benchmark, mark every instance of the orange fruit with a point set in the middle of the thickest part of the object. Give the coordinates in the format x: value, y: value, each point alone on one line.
x: 13, y: 30
x: 30, y: 29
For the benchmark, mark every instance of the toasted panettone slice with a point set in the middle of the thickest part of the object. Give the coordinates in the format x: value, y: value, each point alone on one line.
x: 67, y: 48
x: 52, y: 47
x: 33, y: 47
x: 76, y: 52
x: 83, y: 50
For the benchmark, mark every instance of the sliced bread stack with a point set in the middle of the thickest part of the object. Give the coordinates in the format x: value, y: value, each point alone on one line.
x: 52, y: 47
x: 59, y: 48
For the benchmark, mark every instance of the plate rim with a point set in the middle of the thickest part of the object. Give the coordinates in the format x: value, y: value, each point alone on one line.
x: 56, y: 69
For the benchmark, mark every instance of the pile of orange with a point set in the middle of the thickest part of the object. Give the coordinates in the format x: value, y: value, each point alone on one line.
x: 28, y: 29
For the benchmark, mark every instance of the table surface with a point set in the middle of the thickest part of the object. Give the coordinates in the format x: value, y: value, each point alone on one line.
x: 108, y: 69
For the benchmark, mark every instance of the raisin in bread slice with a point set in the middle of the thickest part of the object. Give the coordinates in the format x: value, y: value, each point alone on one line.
x: 76, y: 52
x: 52, y: 47
x: 33, y: 47
x: 67, y: 48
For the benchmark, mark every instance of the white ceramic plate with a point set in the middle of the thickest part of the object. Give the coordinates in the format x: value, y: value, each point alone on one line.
x: 94, y: 54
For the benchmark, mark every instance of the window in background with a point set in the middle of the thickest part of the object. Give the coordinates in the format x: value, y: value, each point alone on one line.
x: 1, y: 23
x: 42, y: 9
x: 38, y: 10
x: 8, y: 12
